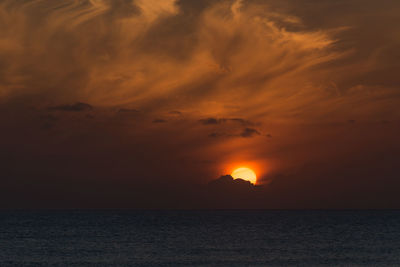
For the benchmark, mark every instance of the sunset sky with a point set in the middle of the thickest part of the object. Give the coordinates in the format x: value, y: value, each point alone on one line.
x: 138, y: 104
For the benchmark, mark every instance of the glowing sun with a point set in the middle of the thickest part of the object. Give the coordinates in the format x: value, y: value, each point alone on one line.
x: 245, y: 174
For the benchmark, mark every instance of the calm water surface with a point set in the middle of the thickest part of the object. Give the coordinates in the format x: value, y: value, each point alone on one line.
x: 200, y: 238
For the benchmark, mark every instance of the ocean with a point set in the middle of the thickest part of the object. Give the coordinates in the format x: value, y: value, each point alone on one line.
x: 200, y: 238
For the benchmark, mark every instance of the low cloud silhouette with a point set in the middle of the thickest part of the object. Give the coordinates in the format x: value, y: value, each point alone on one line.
x: 249, y: 132
x: 211, y: 121
x: 128, y: 110
x: 241, y: 121
x: 49, y: 121
x: 159, y: 121
x: 226, y: 192
x: 49, y: 117
x: 246, y: 133
x: 79, y: 106
x: 228, y: 181
x: 175, y: 112
x: 214, y: 135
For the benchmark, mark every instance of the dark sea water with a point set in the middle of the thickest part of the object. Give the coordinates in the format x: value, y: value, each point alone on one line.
x: 200, y: 238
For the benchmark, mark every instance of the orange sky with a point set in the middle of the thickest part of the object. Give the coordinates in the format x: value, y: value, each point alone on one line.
x: 181, y: 92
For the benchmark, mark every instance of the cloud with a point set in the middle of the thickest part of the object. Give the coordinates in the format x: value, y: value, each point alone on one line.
x: 175, y: 112
x: 226, y: 192
x: 47, y: 125
x: 241, y: 121
x: 153, y: 9
x: 244, y: 53
x: 227, y: 181
x: 135, y: 48
x: 128, y: 110
x: 249, y: 132
x: 79, y: 106
x: 215, y: 134
x: 159, y: 121
x: 49, y: 117
x: 48, y: 121
x: 235, y: 69
x: 211, y: 121
x: 246, y: 133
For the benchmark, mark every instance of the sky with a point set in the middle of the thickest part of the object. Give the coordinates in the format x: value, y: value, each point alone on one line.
x: 143, y: 103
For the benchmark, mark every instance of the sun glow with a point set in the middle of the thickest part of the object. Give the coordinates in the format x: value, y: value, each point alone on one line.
x: 245, y: 174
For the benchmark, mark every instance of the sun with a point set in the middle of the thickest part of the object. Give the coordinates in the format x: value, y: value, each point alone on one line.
x: 245, y: 174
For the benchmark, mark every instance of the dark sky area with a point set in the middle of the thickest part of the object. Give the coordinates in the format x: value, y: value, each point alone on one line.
x: 143, y: 103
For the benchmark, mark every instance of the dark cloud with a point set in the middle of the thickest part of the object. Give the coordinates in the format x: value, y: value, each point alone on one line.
x: 249, y: 132
x: 128, y: 110
x: 49, y: 121
x: 246, y: 133
x: 79, y: 106
x: 211, y: 121
x: 49, y: 117
x: 226, y: 181
x: 159, y: 121
x: 214, y: 135
x: 47, y: 125
x: 241, y: 121
x: 122, y: 9
x: 175, y: 112
x: 226, y: 192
